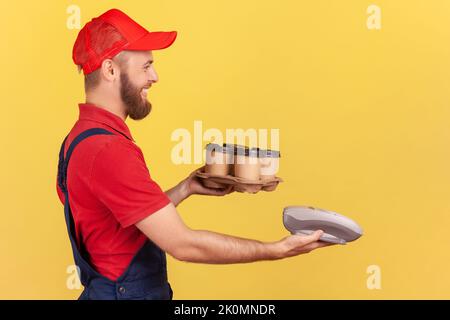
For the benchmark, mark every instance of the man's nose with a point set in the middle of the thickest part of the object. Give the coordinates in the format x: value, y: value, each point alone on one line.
x: 153, y: 76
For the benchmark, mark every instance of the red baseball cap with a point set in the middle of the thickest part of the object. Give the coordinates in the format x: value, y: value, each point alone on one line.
x: 112, y: 32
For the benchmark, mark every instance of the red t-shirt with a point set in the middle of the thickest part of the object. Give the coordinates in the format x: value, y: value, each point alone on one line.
x: 110, y: 189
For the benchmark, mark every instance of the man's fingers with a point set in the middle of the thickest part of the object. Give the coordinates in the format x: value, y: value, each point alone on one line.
x: 313, y: 237
x: 317, y: 245
x: 220, y: 192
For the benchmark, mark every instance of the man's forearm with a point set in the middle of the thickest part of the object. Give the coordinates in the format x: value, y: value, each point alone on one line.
x: 211, y: 247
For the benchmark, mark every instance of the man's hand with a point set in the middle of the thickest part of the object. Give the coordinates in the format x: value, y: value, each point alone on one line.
x: 195, y: 186
x: 299, y: 244
x: 192, y: 185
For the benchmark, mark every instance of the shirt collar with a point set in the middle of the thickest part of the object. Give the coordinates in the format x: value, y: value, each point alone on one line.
x: 92, y: 112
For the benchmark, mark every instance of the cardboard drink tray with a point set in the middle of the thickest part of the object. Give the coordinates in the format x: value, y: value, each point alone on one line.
x: 240, y: 185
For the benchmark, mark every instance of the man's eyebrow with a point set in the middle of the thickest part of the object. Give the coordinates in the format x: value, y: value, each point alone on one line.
x: 148, y: 62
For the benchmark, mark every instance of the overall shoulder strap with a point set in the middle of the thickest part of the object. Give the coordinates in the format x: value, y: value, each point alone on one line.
x: 79, y: 252
x: 64, y: 161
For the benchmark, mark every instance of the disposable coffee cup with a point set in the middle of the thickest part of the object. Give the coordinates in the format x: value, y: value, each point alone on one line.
x: 230, y: 149
x: 219, y: 159
x: 269, y: 163
x: 246, y: 163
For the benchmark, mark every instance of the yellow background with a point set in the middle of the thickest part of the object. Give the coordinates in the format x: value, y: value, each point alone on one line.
x: 364, y: 123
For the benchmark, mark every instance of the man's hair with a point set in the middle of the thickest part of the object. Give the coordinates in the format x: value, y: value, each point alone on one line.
x: 92, y: 80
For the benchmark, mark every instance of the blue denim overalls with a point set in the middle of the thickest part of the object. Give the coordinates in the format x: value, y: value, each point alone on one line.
x: 145, y: 277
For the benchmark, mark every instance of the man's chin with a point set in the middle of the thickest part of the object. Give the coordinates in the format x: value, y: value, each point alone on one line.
x: 141, y: 113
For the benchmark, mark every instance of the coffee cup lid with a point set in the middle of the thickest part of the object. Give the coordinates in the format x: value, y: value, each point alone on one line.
x: 246, y: 151
x: 229, y: 148
x: 213, y: 147
x: 225, y: 148
x: 267, y: 153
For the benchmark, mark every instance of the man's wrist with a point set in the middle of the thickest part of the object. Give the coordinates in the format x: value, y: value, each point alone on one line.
x: 185, y: 191
x: 274, y: 250
x: 179, y: 193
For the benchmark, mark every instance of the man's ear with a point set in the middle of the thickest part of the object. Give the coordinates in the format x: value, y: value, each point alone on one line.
x: 110, y: 70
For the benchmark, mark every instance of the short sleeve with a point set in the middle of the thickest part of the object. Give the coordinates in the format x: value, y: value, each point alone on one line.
x: 121, y: 180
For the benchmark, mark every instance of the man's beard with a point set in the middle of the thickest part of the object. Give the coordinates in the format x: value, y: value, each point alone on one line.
x: 137, y: 107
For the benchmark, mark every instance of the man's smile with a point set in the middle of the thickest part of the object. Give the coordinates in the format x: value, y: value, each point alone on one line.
x: 145, y: 91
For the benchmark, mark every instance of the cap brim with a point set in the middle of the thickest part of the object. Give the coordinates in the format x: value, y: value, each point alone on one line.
x: 153, y: 41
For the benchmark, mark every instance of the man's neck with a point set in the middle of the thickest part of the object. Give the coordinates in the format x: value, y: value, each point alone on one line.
x: 107, y: 103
